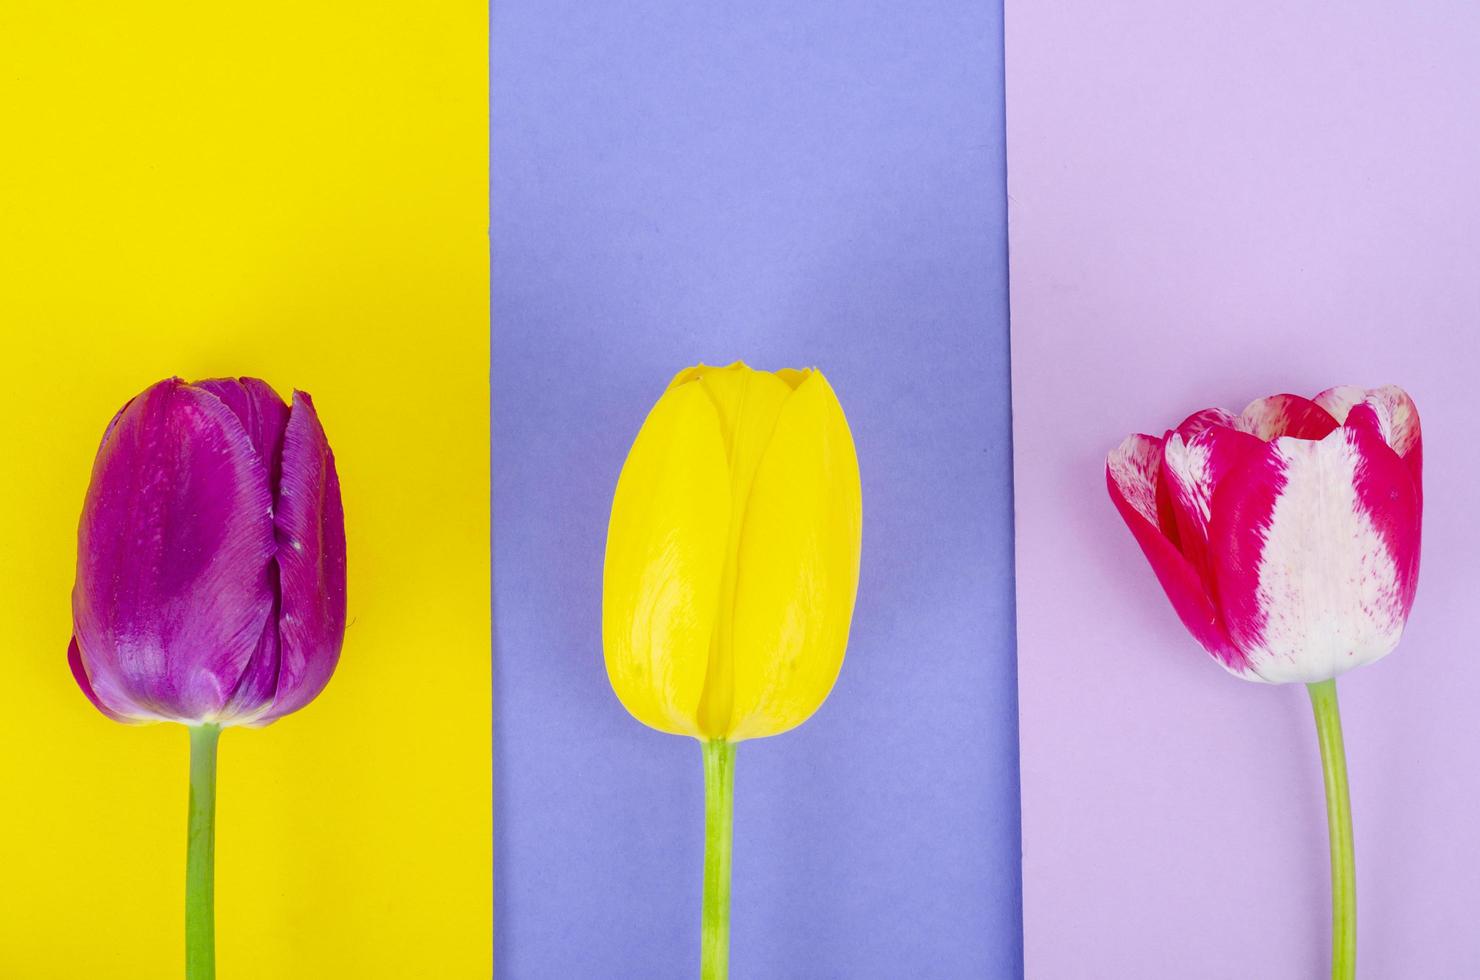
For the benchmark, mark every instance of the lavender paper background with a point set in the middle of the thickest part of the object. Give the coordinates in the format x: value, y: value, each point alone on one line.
x: 815, y: 183
x: 1211, y: 202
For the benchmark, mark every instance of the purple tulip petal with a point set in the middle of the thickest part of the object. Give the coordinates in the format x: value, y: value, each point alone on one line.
x: 310, y: 536
x: 263, y: 414
x: 174, y: 550
x: 79, y: 673
x: 113, y: 423
x: 258, y: 684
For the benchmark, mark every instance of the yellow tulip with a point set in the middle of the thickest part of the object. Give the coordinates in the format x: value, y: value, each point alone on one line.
x: 732, y: 554
x: 731, y: 570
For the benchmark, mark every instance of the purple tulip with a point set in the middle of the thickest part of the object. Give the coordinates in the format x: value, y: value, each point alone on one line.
x: 210, y: 558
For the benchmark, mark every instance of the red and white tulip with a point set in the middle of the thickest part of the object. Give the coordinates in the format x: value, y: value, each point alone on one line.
x: 1287, y: 537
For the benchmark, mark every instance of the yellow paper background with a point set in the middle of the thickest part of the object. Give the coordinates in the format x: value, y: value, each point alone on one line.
x: 296, y: 191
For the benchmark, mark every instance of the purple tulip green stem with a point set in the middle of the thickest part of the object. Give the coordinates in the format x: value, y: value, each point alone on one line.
x: 719, y: 810
x: 1339, y: 825
x: 200, y: 861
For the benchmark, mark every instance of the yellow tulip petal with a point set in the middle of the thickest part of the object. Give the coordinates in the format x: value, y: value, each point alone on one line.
x: 748, y: 403
x: 798, y: 566
x: 690, y: 374
x: 665, y: 556
x: 793, y: 376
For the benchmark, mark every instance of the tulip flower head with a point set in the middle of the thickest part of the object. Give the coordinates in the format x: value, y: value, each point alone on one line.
x: 732, y: 554
x: 1287, y: 537
x: 210, y: 558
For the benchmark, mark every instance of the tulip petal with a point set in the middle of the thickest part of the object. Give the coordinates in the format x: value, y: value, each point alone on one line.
x: 1316, y: 554
x: 748, y: 403
x: 1136, y: 470
x: 173, y: 552
x: 1390, y: 414
x: 665, y: 553
x: 259, y: 681
x: 1286, y: 415
x: 79, y: 674
x: 1393, y: 408
x: 113, y: 424
x: 798, y: 566
x: 793, y: 377
x: 1192, y: 469
x: 262, y: 412
x: 1132, y: 471
x: 1199, y: 421
x: 695, y: 372
x: 1166, y: 508
x: 309, y: 525
x: 1338, y: 401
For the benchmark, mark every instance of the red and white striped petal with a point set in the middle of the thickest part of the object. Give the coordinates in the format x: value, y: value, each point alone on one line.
x: 1132, y: 470
x: 1389, y: 412
x: 1198, y: 421
x: 1340, y: 399
x: 1192, y: 468
x: 1286, y: 415
x: 1132, y: 473
x: 1315, y: 551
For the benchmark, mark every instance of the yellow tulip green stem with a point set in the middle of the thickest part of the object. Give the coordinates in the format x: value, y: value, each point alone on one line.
x: 200, y: 860
x: 1339, y: 825
x: 719, y: 811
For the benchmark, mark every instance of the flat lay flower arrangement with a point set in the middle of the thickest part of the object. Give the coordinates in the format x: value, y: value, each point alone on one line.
x: 210, y: 586
x: 1287, y: 539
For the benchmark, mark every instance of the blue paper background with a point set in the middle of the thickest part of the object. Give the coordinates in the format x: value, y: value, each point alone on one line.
x: 817, y: 183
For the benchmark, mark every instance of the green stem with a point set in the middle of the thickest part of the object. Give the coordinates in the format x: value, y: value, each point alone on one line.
x: 719, y: 809
x: 1339, y: 825
x: 200, y: 859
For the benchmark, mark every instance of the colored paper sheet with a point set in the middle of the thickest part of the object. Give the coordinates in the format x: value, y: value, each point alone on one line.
x: 1209, y: 203
x: 791, y: 184
x: 295, y: 192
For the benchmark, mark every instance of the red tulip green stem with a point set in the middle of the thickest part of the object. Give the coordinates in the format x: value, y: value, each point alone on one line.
x: 1339, y: 824
x: 719, y: 809
x: 200, y: 861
